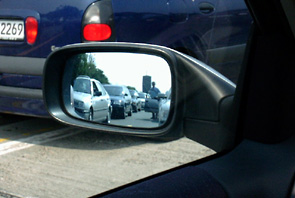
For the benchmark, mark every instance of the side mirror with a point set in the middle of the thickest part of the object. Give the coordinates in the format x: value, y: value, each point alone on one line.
x: 97, y: 93
x: 201, y: 98
x: 162, y: 96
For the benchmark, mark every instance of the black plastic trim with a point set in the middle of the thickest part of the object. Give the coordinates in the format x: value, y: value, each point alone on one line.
x: 218, y: 135
x: 22, y: 65
x: 21, y: 92
x: 198, y: 92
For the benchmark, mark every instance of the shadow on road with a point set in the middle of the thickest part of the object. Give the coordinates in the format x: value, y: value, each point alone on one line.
x: 8, y: 119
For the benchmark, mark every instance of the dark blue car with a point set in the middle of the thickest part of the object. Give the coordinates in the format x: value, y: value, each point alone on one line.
x: 30, y: 30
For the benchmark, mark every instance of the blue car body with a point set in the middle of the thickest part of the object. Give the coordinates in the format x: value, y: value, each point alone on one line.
x: 203, y: 29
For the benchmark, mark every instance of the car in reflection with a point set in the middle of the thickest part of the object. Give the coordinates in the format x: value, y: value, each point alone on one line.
x: 120, y: 99
x: 31, y: 31
x: 136, y: 103
x: 152, y: 104
x: 164, y: 108
x: 91, y: 101
x: 142, y: 96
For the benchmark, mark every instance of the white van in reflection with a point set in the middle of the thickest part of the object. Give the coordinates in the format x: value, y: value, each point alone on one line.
x: 91, y: 101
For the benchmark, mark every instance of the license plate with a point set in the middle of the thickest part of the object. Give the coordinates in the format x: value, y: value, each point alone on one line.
x: 12, y: 30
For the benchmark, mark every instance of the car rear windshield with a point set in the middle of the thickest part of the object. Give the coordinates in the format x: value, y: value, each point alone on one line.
x: 82, y: 85
x: 114, y: 90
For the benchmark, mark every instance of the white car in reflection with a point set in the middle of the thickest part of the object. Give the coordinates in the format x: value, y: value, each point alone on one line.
x: 164, y: 109
x: 136, y: 102
x: 91, y: 100
x: 142, y: 97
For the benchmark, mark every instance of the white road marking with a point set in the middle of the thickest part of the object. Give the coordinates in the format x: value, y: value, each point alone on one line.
x: 24, y: 143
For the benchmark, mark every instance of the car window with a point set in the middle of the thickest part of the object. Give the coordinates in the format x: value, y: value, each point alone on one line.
x: 101, y: 89
x: 133, y: 93
x: 126, y: 91
x: 82, y: 85
x: 114, y: 90
x: 43, y: 158
x: 95, y: 89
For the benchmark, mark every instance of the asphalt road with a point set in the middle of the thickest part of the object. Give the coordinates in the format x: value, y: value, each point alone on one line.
x: 138, y: 119
x: 42, y: 158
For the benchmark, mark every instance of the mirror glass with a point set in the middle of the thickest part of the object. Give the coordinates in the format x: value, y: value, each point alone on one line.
x: 118, y: 88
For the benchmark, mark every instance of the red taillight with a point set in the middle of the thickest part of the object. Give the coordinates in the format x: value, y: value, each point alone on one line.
x: 97, y: 32
x: 31, y: 30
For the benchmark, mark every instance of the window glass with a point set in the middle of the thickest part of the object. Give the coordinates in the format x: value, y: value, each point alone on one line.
x: 101, y: 89
x: 44, y: 158
x: 95, y: 89
x: 114, y: 90
x: 82, y: 85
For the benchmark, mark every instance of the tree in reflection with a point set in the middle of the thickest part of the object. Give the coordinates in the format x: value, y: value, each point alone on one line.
x: 84, y: 64
x: 132, y: 88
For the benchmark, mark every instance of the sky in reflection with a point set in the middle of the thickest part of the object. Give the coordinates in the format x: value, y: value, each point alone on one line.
x: 128, y: 69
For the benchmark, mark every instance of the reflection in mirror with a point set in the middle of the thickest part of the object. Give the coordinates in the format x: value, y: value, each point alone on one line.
x: 123, y: 89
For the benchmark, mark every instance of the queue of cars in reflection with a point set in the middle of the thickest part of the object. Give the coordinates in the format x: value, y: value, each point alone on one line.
x: 98, y: 102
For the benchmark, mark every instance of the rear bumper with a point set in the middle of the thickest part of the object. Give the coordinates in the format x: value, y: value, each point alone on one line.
x: 83, y: 113
x: 22, y: 101
x: 22, y: 65
x: 17, y: 92
x: 23, y: 106
x: 16, y: 99
x: 118, y: 109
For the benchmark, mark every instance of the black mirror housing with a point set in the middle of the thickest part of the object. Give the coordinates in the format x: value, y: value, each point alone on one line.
x: 200, y: 96
x: 97, y: 93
